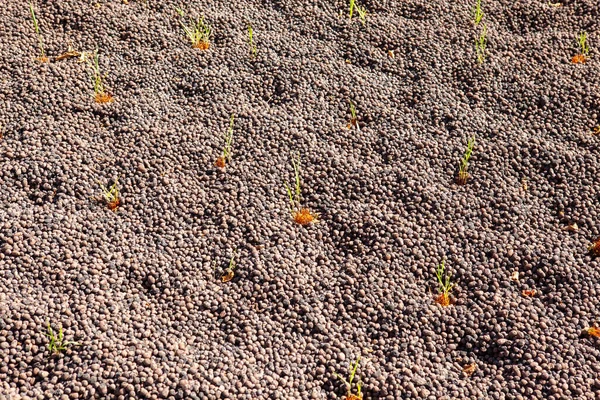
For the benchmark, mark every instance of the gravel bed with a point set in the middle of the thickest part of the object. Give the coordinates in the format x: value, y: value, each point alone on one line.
x: 140, y: 288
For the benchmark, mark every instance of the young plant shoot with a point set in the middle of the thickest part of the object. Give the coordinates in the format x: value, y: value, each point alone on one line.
x: 444, y: 285
x: 584, y: 49
x: 229, y: 274
x: 36, y: 26
x: 353, y: 368
x: 362, y: 11
x: 301, y: 215
x: 101, y: 96
x: 251, y: 43
x: 56, y: 343
x: 111, y: 196
x: 481, y: 44
x: 198, y: 31
x: 463, y: 173
x: 353, y: 117
x: 226, y: 157
x: 477, y: 13
x: 362, y: 14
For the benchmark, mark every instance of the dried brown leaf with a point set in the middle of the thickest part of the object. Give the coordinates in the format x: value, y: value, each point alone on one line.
x: 578, y: 59
x: 67, y: 54
x: 593, y: 331
x: 469, y: 369
x: 228, y: 276
x: 571, y: 227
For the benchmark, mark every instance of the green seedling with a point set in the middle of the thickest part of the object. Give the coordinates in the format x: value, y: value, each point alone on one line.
x: 251, y: 43
x: 295, y: 196
x: 463, y: 173
x: 229, y: 271
x: 583, y: 45
x: 36, y: 26
x: 198, y: 32
x: 301, y: 215
x: 362, y: 11
x: 112, y: 197
x: 444, y: 285
x: 351, y: 11
x: 353, y: 368
x: 226, y: 157
x: 100, y: 93
x: 477, y: 13
x: 362, y: 14
x: 481, y: 44
x: 584, y: 48
x: 56, y: 343
x: 353, y: 117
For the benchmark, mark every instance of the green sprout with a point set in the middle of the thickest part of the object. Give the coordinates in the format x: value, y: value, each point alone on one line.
x: 36, y: 26
x: 56, y: 343
x: 481, y: 44
x: 583, y: 45
x: 251, y: 41
x: 295, y: 196
x: 353, y: 116
x: 226, y: 157
x: 352, y: 373
x: 351, y: 11
x: 198, y: 32
x: 362, y: 11
x: 463, y: 174
x: 444, y: 284
x: 301, y: 215
x: 111, y: 195
x: 100, y: 93
x: 229, y: 271
x: 477, y: 13
x: 362, y: 14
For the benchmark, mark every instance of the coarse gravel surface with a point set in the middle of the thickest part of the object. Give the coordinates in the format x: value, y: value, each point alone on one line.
x: 140, y: 288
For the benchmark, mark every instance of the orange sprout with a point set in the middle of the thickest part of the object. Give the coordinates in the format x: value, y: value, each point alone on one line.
x: 201, y: 45
x: 528, y: 293
x: 462, y: 178
x: 443, y: 299
x: 593, y: 331
x: 353, y: 397
x: 304, y: 216
x: 228, y: 276
x: 594, y: 248
x: 220, y: 162
x: 113, y: 205
x: 102, y: 98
